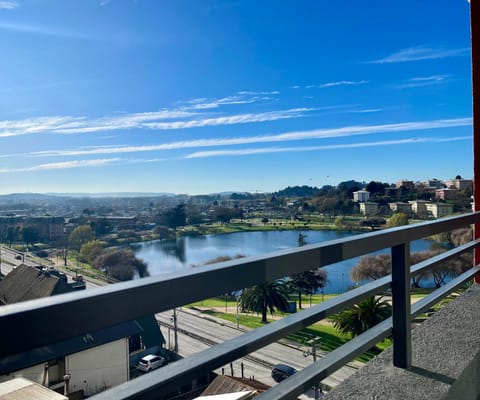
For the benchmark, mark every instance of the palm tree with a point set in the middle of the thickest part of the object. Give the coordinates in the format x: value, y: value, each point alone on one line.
x: 267, y: 296
x: 362, y: 316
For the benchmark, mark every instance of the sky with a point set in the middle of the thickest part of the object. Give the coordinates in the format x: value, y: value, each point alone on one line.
x: 204, y: 96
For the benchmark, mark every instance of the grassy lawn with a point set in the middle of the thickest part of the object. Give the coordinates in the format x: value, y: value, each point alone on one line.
x: 329, y: 337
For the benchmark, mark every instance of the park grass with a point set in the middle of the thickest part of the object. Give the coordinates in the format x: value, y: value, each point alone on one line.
x: 329, y: 338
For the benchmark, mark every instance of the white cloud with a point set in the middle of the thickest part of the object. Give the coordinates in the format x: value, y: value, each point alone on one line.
x: 343, y: 83
x: 147, y: 120
x: 242, y: 97
x: 265, y: 150
x: 282, y: 137
x: 247, y: 92
x: 44, y: 30
x: 8, y: 5
x: 419, y: 53
x: 424, y: 81
x: 367, y: 110
x: 63, y: 165
x: 331, y: 84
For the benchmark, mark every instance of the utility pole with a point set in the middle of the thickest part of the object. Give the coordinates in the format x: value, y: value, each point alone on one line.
x: 313, y: 353
x: 175, y: 331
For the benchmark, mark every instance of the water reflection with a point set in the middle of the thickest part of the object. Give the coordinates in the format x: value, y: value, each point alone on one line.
x: 183, y: 253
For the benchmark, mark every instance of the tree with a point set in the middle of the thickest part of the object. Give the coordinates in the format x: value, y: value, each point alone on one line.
x: 30, y: 234
x: 90, y: 251
x: 373, y: 222
x: 308, y: 282
x: 121, y: 264
x: 267, y: 296
x: 175, y: 217
x: 362, y: 316
x: 101, y: 226
x: 397, y: 219
x: 371, y: 267
x: 80, y: 235
x: 10, y: 235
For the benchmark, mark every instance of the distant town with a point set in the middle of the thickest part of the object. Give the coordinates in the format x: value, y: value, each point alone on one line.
x: 118, y: 218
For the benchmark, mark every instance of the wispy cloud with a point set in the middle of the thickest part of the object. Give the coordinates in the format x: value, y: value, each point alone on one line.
x: 367, y: 110
x: 146, y: 120
x: 424, y: 81
x: 282, y: 137
x: 63, y: 165
x: 266, y: 150
x: 242, y: 97
x: 44, y: 30
x: 331, y: 84
x: 8, y: 5
x: 419, y: 53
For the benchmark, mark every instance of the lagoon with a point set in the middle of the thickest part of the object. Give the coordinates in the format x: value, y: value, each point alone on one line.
x: 185, y: 252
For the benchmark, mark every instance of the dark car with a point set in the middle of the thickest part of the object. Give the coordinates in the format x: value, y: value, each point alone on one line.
x: 282, y: 371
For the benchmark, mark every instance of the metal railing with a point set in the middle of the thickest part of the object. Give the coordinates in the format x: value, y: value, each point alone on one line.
x: 78, y: 313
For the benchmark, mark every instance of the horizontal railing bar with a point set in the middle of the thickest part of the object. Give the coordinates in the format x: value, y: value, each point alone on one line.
x: 428, y: 264
x: 82, y: 312
x: 311, y: 375
x: 183, y: 371
x: 442, y: 292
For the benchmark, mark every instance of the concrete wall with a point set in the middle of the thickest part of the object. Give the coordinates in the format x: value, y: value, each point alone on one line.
x: 99, y: 368
x: 445, y: 360
x: 34, y: 374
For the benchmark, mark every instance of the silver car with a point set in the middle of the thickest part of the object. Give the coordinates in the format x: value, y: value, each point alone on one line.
x: 150, y: 362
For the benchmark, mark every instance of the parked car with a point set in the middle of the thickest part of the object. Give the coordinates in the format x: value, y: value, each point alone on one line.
x: 151, y: 362
x: 282, y: 371
x: 18, y: 257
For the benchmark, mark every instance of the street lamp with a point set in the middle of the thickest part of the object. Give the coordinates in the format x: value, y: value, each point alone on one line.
x: 313, y: 353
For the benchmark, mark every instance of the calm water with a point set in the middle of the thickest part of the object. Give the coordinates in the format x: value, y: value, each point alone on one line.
x: 172, y: 256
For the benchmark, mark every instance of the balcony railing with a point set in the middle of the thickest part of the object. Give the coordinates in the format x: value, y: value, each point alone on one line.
x: 32, y: 324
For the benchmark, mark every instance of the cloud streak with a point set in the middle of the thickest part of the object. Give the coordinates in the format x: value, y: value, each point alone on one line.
x: 8, y: 5
x: 63, y: 165
x: 331, y: 84
x: 282, y: 137
x: 420, y: 53
x: 266, y: 150
x: 424, y: 81
x: 147, y: 120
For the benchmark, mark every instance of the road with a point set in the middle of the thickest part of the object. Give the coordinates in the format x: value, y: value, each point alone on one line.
x: 209, y: 331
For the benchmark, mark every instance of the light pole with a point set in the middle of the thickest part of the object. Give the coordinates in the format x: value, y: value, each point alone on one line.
x: 313, y: 353
x: 175, y: 333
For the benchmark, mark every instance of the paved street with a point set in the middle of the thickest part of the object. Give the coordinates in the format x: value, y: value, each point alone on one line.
x: 210, y: 331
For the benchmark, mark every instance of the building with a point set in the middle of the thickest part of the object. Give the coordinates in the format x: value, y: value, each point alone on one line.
x: 400, y: 206
x: 94, y: 361
x: 446, y: 194
x: 369, y: 208
x: 434, y: 184
x: 405, y: 184
x: 419, y: 207
x: 361, y: 196
x: 459, y: 184
x: 439, y: 210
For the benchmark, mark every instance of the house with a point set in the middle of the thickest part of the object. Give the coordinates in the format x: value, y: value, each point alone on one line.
x: 361, y: 196
x: 446, y: 194
x: 439, y: 210
x: 28, y: 283
x: 369, y: 208
x: 400, y: 206
x: 23, y: 389
x: 419, y: 207
x: 459, y: 184
x: 93, y: 361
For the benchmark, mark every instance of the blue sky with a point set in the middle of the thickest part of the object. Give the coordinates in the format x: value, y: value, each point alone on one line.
x: 202, y: 96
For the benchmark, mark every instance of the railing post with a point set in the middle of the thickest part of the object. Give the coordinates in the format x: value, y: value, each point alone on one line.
x: 402, y: 351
